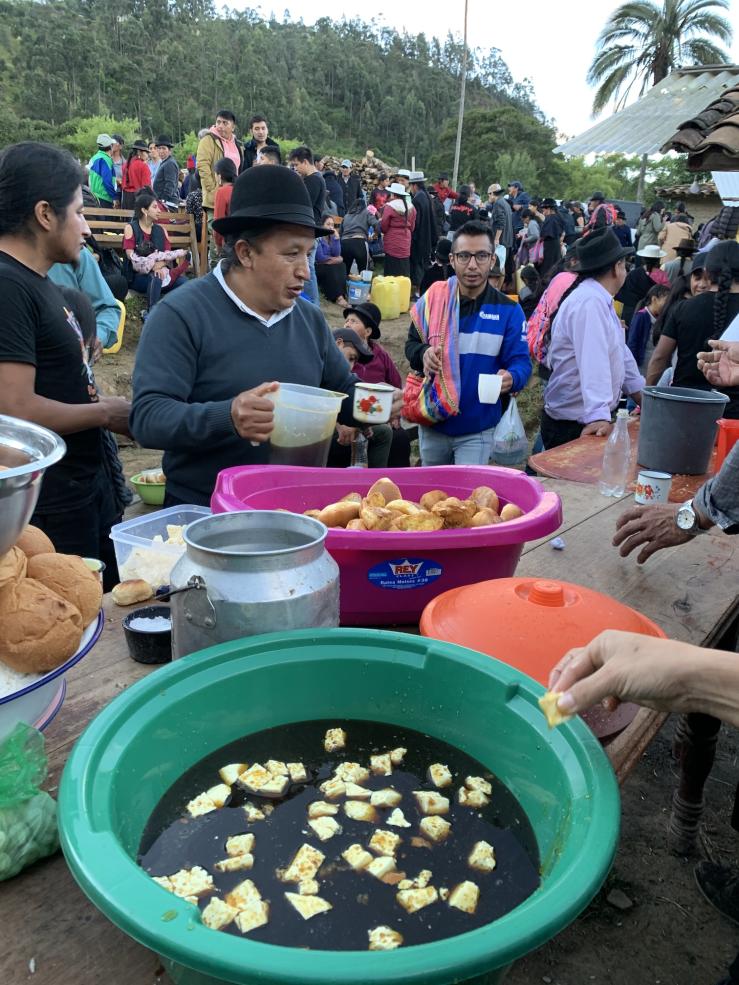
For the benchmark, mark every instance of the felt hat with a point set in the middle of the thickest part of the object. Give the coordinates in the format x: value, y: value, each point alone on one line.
x: 600, y: 249
x: 370, y: 315
x: 350, y: 337
x: 139, y: 145
x: 597, y: 197
x: 548, y: 203
x: 267, y: 195
x: 163, y: 141
x: 443, y: 249
x: 686, y: 246
x: 515, y: 184
x: 495, y: 189
x: 397, y: 189
x: 104, y: 140
x: 652, y: 252
x: 403, y: 173
x: 416, y: 177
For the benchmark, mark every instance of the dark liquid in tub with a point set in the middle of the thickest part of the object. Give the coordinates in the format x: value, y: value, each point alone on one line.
x: 173, y: 840
x: 315, y: 454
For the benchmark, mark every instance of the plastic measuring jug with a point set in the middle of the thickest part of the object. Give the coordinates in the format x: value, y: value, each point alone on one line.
x: 305, y: 418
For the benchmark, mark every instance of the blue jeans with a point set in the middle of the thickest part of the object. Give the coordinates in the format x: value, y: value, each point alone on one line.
x: 151, y: 286
x: 310, y: 288
x: 461, y: 449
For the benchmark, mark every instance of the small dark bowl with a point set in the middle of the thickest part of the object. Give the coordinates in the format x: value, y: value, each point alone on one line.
x: 149, y: 647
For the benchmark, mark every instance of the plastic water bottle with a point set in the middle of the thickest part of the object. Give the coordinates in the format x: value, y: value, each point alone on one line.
x: 359, y: 451
x: 616, y: 458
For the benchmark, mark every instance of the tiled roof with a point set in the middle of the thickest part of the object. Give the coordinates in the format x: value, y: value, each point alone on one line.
x: 705, y: 190
x: 711, y: 138
x: 645, y: 125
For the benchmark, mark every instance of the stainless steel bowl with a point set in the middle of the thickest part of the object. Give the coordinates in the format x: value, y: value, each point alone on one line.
x: 26, y: 452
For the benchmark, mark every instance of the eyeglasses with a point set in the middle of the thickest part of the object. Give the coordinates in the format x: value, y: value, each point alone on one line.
x: 481, y: 257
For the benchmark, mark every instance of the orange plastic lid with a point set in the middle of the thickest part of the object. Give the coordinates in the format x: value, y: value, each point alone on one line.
x: 528, y: 623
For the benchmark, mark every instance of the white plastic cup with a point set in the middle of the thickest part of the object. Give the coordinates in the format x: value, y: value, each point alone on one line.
x: 373, y: 402
x: 652, y: 487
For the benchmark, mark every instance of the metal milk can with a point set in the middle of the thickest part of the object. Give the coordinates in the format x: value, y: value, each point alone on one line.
x: 259, y: 571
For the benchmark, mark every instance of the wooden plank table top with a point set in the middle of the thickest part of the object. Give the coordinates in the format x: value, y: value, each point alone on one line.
x: 690, y: 591
x: 580, y: 461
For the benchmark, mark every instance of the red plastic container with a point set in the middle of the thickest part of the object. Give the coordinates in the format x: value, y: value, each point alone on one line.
x: 728, y: 435
x: 388, y: 578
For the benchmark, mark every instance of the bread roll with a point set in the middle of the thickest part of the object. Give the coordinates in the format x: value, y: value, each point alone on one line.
x: 314, y: 514
x: 133, y: 590
x: 422, y: 520
x: 485, y: 518
x: 356, y: 525
x: 387, y: 488
x: 34, y: 541
x: 12, y: 567
x: 485, y: 498
x: 40, y: 629
x: 511, y: 512
x: 431, y: 498
x: 69, y: 577
x: 376, y: 517
x: 352, y: 497
x: 403, y: 506
x: 338, y: 514
x: 455, y: 512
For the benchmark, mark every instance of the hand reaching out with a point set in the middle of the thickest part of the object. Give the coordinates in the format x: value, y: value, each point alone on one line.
x: 720, y: 366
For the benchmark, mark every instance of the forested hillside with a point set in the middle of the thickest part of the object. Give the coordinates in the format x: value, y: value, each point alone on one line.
x: 342, y: 85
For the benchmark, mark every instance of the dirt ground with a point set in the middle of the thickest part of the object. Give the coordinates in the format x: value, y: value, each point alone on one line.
x: 669, y: 935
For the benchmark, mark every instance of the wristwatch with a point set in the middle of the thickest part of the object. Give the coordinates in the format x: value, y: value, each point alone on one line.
x: 687, y: 519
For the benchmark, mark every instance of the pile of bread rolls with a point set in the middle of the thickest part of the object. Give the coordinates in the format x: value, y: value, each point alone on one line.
x: 46, y: 601
x: 383, y: 508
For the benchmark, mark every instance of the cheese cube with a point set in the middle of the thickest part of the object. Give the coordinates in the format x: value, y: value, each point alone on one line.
x: 275, y: 787
x: 236, y: 863
x: 165, y: 882
x: 191, y: 882
x: 308, y: 906
x: 472, y: 798
x: 549, y: 703
x: 385, y: 798
x: 384, y: 842
x: 253, y: 813
x: 352, y: 772
x: 356, y: 792
x: 309, y: 887
x: 384, y: 939
x: 415, y: 899
x: 335, y: 739
x: 464, y: 897
x: 255, y: 914
x: 439, y: 775
x: 230, y: 774
x: 478, y: 783
x: 357, y: 857
x: 380, y: 867
x: 277, y: 767
x: 381, y: 765
x: 239, y: 844
x: 397, y: 755
x: 325, y: 827
x: 430, y: 802
x: 305, y: 864
x: 333, y: 788
x: 357, y: 810
x: 202, y: 804
x: 435, y: 828
x: 298, y: 772
x: 482, y: 857
x: 397, y: 819
x: 219, y: 794
x: 320, y: 808
x: 255, y: 777
x: 218, y: 914
x: 242, y: 895
x: 423, y: 878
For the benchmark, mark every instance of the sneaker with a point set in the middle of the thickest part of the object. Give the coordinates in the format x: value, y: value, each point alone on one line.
x: 719, y: 884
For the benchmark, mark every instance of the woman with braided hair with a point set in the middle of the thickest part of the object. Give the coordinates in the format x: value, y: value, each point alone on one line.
x: 705, y: 316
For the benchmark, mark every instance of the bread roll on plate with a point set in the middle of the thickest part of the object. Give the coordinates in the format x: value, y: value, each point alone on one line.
x: 131, y: 591
x: 12, y: 567
x: 69, y: 577
x: 40, y: 629
x: 34, y: 541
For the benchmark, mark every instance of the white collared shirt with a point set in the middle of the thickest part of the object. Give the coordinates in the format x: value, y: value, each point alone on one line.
x: 267, y: 322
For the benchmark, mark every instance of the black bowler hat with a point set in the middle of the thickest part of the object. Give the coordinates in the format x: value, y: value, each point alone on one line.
x: 267, y: 195
x: 163, y: 141
x: 139, y: 145
x: 600, y: 249
x: 370, y: 315
x: 548, y: 203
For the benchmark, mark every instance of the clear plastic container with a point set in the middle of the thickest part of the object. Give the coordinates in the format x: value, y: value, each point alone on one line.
x: 139, y: 555
x: 305, y: 418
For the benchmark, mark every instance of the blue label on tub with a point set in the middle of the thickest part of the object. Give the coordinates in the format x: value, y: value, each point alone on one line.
x: 414, y: 572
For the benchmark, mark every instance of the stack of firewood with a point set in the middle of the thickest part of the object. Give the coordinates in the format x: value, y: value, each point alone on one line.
x: 369, y: 168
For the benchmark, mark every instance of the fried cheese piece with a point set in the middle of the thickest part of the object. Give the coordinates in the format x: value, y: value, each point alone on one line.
x: 548, y: 704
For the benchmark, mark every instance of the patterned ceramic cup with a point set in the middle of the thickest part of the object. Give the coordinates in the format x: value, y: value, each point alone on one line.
x: 652, y: 487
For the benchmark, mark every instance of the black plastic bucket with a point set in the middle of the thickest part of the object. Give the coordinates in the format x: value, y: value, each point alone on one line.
x: 678, y: 428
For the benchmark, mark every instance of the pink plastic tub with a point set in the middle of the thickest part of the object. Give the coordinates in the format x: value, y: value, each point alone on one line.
x: 388, y: 578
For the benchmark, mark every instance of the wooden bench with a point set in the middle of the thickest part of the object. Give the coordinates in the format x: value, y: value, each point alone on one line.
x: 107, y: 226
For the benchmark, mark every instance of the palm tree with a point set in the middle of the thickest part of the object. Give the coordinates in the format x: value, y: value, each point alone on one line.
x: 643, y: 42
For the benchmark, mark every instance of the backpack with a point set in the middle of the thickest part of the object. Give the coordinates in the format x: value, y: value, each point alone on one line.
x: 539, y: 325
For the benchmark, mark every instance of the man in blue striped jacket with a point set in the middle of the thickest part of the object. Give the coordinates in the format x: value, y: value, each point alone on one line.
x: 491, y: 341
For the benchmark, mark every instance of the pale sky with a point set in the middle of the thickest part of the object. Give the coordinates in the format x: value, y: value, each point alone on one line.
x: 550, y: 43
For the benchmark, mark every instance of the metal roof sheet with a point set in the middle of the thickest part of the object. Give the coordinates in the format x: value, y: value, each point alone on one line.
x: 644, y: 126
x: 727, y: 183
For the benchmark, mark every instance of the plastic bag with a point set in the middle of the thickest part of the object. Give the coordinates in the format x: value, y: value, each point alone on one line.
x: 28, y: 829
x: 510, y: 444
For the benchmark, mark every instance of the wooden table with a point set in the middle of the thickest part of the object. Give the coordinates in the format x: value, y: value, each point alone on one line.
x: 690, y: 591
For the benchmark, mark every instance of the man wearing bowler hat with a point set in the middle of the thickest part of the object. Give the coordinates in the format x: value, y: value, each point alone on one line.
x: 215, y: 349
x: 590, y: 363
x: 166, y: 182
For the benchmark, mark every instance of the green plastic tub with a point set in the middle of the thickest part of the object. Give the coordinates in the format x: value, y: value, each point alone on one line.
x: 152, y: 732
